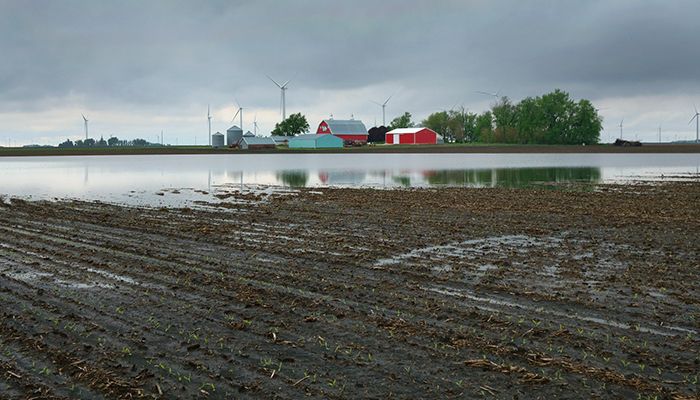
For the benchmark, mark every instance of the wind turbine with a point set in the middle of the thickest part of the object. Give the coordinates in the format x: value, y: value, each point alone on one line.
x: 86, y: 126
x: 255, y: 125
x: 494, y: 95
x: 209, y: 119
x: 283, y: 101
x: 240, y: 111
x: 696, y: 117
x: 383, y: 106
x: 623, y: 120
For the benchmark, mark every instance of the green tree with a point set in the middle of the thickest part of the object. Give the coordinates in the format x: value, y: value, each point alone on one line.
x: 294, y: 125
x: 439, y: 122
x: 67, y: 143
x: 113, y: 141
x: 403, y: 121
x: 484, y: 127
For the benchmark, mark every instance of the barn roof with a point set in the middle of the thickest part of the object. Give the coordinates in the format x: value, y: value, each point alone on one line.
x: 408, y: 130
x: 258, y: 140
x: 346, y: 126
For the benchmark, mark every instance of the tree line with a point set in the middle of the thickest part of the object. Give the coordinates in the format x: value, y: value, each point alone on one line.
x: 111, y: 142
x: 553, y: 118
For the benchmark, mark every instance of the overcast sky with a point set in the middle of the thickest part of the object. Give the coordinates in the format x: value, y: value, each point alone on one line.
x: 135, y: 68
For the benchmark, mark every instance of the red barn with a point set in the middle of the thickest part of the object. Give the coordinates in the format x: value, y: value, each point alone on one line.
x: 346, y: 129
x: 412, y: 136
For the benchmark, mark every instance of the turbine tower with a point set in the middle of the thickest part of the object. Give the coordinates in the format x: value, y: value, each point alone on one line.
x: 696, y: 117
x: 623, y: 120
x: 209, y: 119
x: 240, y: 111
x: 283, y: 100
x: 255, y: 125
x: 383, y: 106
x: 86, y: 126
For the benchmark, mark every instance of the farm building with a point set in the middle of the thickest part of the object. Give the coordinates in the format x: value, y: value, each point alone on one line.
x: 256, y: 143
x: 346, y: 129
x: 413, y: 136
x: 233, y: 135
x: 217, y: 140
x: 281, y: 140
x: 316, y: 142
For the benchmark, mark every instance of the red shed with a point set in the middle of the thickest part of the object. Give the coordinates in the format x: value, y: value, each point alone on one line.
x: 412, y: 136
x: 346, y: 129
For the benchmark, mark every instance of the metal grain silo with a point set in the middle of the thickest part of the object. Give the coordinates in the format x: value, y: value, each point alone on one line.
x: 234, y: 135
x: 217, y: 139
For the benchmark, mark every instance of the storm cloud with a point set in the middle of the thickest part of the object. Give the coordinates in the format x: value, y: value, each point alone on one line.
x: 136, y: 67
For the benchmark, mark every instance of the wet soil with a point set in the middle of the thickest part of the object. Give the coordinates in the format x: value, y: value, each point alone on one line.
x: 356, y: 293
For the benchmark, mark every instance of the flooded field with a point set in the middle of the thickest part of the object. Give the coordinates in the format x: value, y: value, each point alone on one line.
x: 355, y: 293
x: 182, y: 179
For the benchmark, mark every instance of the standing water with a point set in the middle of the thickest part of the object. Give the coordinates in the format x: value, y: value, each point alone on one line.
x: 153, y: 179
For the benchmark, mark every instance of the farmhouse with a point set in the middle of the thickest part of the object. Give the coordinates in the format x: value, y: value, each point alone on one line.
x: 316, y: 142
x: 347, y: 129
x: 413, y: 136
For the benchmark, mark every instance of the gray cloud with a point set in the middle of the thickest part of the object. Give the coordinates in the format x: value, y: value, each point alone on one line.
x: 169, y: 58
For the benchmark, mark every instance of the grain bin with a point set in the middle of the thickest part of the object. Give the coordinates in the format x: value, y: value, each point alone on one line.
x: 233, y: 135
x: 217, y: 140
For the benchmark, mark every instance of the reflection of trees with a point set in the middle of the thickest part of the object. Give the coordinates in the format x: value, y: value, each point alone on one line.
x: 293, y: 178
x: 402, y: 180
x: 512, y: 177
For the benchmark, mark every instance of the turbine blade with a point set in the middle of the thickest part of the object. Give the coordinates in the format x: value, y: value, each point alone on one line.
x: 274, y: 81
x: 696, y: 108
x: 235, y: 115
x: 387, y: 100
x: 379, y: 104
x: 691, y: 120
x: 285, y: 84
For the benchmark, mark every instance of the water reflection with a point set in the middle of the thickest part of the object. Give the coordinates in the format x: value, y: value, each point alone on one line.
x: 294, y: 178
x: 513, y: 177
x: 135, y: 178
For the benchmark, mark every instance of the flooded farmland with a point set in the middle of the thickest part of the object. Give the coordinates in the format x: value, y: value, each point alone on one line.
x: 446, y: 292
x: 180, y: 180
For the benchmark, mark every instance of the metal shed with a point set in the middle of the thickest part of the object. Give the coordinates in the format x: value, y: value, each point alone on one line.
x: 316, y: 142
x: 412, y: 136
x: 257, y: 143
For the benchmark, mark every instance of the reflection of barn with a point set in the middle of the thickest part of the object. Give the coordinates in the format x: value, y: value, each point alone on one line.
x: 412, y: 136
x: 347, y: 129
x: 331, y: 177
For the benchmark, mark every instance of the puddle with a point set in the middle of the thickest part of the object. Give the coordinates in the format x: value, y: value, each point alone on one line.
x: 473, y: 248
x: 540, y: 310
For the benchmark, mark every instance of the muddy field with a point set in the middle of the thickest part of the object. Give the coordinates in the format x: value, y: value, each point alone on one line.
x: 351, y: 293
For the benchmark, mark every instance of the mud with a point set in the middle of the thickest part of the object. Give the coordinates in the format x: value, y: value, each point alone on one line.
x: 356, y: 293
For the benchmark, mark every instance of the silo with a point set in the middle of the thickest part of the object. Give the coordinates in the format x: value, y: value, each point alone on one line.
x: 234, y: 135
x: 217, y: 140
